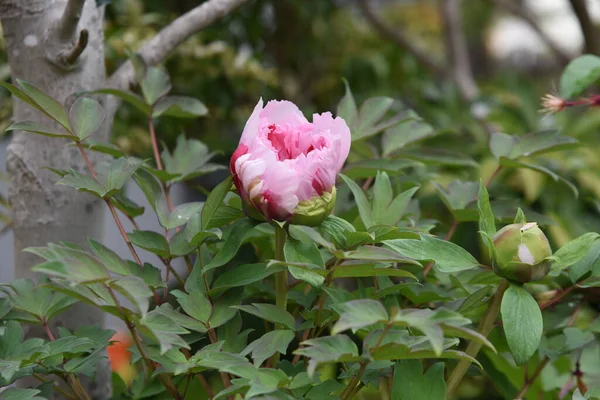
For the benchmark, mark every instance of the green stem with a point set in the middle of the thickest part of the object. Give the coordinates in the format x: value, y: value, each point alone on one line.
x: 485, y: 327
x: 281, y: 280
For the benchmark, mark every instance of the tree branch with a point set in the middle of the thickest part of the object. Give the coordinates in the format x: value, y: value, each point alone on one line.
x: 456, y: 49
x: 159, y: 47
x: 397, y: 36
x: 63, y: 44
x: 525, y: 15
x: 70, y: 19
x: 590, y: 34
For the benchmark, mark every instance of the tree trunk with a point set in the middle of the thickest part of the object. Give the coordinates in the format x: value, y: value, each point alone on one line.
x: 42, y: 211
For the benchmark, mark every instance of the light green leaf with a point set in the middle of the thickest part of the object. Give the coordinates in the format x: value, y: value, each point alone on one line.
x: 155, y: 84
x: 269, y: 344
x: 487, y: 221
x: 579, y: 75
x: 326, y: 350
x: 134, y: 289
x: 214, y: 201
x: 522, y: 322
x: 501, y: 144
x: 109, y: 258
x: 86, y: 116
x: 574, y: 251
x: 448, y: 257
x: 410, y: 130
x: 364, y: 208
x: 179, y: 107
x: 46, y: 104
x: 358, y: 314
x: 31, y: 126
x: 347, y: 107
x: 196, y: 305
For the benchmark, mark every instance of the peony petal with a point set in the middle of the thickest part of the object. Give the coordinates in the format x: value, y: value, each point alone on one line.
x: 338, y: 132
x: 283, y: 113
x: 252, y: 127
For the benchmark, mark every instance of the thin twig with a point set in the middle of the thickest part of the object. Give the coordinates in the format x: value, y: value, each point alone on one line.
x: 530, y: 380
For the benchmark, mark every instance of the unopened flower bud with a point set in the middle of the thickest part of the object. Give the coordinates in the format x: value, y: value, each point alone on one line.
x: 521, y: 252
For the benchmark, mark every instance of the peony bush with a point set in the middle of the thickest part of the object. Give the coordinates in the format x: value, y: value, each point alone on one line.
x: 315, y: 270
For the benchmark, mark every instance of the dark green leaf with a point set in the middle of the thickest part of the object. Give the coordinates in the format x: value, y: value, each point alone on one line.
x: 243, y: 275
x: 326, y: 350
x: 45, y: 103
x: 238, y: 234
x: 196, y: 305
x: 412, y: 129
x: 190, y: 159
x: 409, y: 382
x: 487, y: 221
x: 214, y: 201
x: 269, y: 312
x: 574, y: 251
x: 358, y: 314
x: 151, y: 241
x: 369, y: 270
x: 557, y: 178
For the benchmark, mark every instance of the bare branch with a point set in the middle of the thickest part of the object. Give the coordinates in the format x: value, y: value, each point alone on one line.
x: 70, y: 19
x: 590, y: 33
x: 397, y: 36
x: 63, y: 44
x: 159, y: 47
x: 457, y: 50
x: 525, y: 15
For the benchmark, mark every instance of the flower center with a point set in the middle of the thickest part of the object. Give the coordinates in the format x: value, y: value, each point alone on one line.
x: 291, y: 143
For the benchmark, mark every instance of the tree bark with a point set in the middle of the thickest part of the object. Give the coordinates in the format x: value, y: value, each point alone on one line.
x: 42, y: 211
x: 591, y: 35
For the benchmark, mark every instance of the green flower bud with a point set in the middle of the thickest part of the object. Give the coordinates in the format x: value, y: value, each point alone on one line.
x: 313, y: 211
x: 521, y: 252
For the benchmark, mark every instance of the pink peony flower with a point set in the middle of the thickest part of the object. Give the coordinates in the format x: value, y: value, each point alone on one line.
x: 285, y: 167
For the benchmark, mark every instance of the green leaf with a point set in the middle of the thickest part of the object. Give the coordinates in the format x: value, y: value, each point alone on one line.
x: 151, y: 241
x: 410, y: 130
x: 326, y: 350
x: 487, y: 222
x: 190, y: 159
x: 269, y: 344
x: 109, y: 258
x: 222, y: 307
x: 522, y: 322
x: 31, y: 126
x: 520, y: 217
x: 458, y: 195
x: 374, y: 253
x: 86, y: 116
x: 501, y: 144
x: 196, y: 305
x: 126, y: 205
x: 540, y: 142
x: 296, y: 251
x: 586, y: 264
x: 83, y: 183
x: 574, y: 251
x: 214, y: 201
x: 164, y: 329
x: 119, y: 172
x: 557, y: 178
x: 269, y: 312
x: 155, y: 84
x: 46, y: 104
x: 364, y: 208
x: 128, y: 97
x: 149, y: 185
x: 179, y: 107
x: 243, y: 275
x: 238, y: 234
x: 369, y: 270
x: 579, y: 75
x: 180, y: 215
x: 347, y: 107
x: 369, y: 168
x: 434, y: 156
x: 358, y: 314
x: 22, y: 394
x: 307, y: 234
x: 135, y: 290
x: 448, y: 257
x: 409, y: 382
